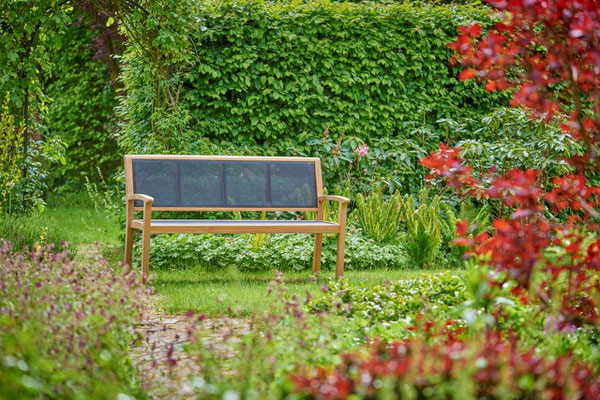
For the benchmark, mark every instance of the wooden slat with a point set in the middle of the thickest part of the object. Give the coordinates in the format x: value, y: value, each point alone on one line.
x: 128, y: 176
x: 136, y: 225
x: 219, y: 158
x: 226, y: 209
x: 341, y: 240
x: 318, y: 178
x: 245, y: 229
x: 146, y: 231
x: 235, y: 227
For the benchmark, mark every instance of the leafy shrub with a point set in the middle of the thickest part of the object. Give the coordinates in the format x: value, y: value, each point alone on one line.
x: 379, y: 219
x: 486, y: 366
x: 81, y: 111
x: 423, y: 229
x: 10, y: 155
x: 392, y: 162
x: 65, y: 328
x: 23, y: 180
x: 283, y: 252
x: 392, y: 301
x: 509, y: 138
x: 262, y: 69
x: 479, y: 218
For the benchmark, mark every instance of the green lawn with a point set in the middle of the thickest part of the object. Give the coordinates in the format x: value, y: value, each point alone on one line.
x: 209, y: 292
x: 74, y: 218
x: 80, y: 225
x: 222, y: 292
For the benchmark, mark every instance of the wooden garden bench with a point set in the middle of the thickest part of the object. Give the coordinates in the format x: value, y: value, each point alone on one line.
x: 224, y: 183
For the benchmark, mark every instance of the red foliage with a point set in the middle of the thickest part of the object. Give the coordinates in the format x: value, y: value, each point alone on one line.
x: 492, y: 363
x: 538, y: 46
x: 448, y: 164
x: 518, y: 189
x: 571, y: 191
x: 517, y: 245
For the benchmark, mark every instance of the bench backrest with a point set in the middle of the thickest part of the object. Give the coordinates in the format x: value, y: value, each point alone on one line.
x: 225, y: 183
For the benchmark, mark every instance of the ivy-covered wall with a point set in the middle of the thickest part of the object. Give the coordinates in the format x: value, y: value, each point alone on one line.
x: 261, y: 72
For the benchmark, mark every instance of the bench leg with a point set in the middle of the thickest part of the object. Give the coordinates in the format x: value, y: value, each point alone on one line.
x: 145, y: 254
x: 317, y: 254
x: 339, y: 261
x: 128, y: 246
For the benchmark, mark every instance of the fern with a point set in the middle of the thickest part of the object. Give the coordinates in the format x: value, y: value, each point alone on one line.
x: 423, y: 228
x: 259, y: 240
x: 379, y: 218
x: 479, y: 219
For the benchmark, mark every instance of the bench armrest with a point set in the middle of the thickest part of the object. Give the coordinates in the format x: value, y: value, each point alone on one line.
x: 148, y: 200
x: 339, y: 199
x: 142, y: 197
x: 343, y: 210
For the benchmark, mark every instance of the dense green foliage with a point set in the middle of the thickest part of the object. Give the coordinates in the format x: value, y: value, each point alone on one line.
x: 509, y: 138
x: 10, y: 155
x: 282, y: 252
x: 265, y: 71
x: 81, y: 111
x: 393, y: 300
x: 30, y: 33
x: 55, y: 91
x: 23, y: 180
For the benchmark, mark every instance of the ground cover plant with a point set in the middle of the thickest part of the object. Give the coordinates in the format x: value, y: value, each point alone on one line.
x: 285, y: 252
x: 394, y: 299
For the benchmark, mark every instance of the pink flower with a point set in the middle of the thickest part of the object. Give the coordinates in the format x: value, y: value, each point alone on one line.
x: 362, y: 150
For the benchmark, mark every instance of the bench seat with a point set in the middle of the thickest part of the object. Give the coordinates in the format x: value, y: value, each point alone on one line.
x: 236, y: 226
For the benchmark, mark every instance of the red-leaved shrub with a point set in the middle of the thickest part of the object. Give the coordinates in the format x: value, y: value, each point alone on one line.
x: 482, y: 367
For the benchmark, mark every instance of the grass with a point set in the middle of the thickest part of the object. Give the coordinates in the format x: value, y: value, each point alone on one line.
x: 80, y: 225
x: 76, y: 220
x: 73, y: 220
x: 232, y: 292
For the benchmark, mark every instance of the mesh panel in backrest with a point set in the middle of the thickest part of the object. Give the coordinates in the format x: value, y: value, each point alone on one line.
x: 230, y: 184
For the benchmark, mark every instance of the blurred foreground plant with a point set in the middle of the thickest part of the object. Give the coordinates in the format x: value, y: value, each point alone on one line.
x: 66, y: 327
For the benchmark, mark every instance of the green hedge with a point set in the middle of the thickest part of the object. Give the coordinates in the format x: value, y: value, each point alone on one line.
x: 264, y: 71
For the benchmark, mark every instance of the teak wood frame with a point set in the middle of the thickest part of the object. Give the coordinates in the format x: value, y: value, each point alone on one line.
x: 146, y: 227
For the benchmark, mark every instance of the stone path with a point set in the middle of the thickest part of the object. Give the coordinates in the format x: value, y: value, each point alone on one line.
x: 165, y: 369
